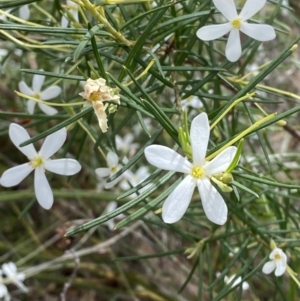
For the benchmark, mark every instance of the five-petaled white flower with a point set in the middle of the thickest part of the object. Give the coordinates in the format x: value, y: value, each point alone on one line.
x: 260, y: 32
x: 39, y: 162
x: 277, y: 263
x: 198, y: 174
x: 10, y: 271
x: 113, y: 167
x: 96, y: 92
x: 35, y: 91
x: 126, y: 145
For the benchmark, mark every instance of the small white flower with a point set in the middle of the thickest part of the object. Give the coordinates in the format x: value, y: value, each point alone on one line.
x: 134, y: 179
x: 278, y: 263
x: 237, y: 23
x: 233, y: 281
x: 125, y: 144
x: 39, y: 162
x: 198, y: 174
x: 73, y: 10
x: 113, y: 167
x: 10, y: 271
x: 96, y: 92
x: 3, y: 289
x: 193, y: 102
x: 35, y: 91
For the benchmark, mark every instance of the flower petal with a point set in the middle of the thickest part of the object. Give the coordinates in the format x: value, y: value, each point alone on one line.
x: 227, y: 8
x: 165, y: 158
x: 280, y: 269
x: 221, y: 162
x: 18, y: 135
x: 42, y: 188
x: 66, y: 167
x: 30, y: 106
x: 111, y: 184
x: 102, y: 172
x: 212, y: 202
x: 233, y: 47
x: 15, y: 175
x: 37, y: 82
x: 269, y: 267
x: 53, y: 143
x: 250, y: 8
x: 48, y: 110
x: 112, y: 159
x: 24, y: 12
x: 178, y: 201
x: 199, y: 138
x: 259, y: 32
x: 25, y: 89
x: 50, y: 93
x: 213, y: 32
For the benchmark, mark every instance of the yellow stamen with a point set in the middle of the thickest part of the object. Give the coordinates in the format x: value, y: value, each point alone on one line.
x: 197, y: 172
x: 277, y: 257
x: 95, y: 96
x: 36, y: 162
x: 37, y: 95
x: 236, y: 23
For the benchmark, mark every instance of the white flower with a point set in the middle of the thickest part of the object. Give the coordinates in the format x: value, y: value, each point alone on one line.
x: 237, y: 23
x: 125, y: 144
x: 134, y: 179
x: 193, y: 102
x: 10, y: 271
x: 113, y: 167
x: 39, y: 162
x: 35, y: 91
x: 73, y: 10
x: 96, y: 92
x: 233, y: 281
x: 277, y: 263
x: 3, y: 289
x: 198, y: 174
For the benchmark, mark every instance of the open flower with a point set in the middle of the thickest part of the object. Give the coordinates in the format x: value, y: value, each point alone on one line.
x: 126, y: 145
x: 39, y: 162
x: 277, y: 263
x: 198, y: 174
x: 113, y: 167
x: 237, y: 23
x: 35, y: 91
x: 96, y: 92
x: 10, y: 271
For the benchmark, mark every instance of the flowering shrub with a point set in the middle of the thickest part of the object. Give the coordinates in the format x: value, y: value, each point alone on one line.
x: 132, y: 105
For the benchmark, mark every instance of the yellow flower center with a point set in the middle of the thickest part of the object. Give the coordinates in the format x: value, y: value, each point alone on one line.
x: 277, y: 257
x: 95, y: 96
x: 197, y: 172
x: 37, y: 95
x: 114, y: 169
x: 37, y: 162
x: 236, y: 23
